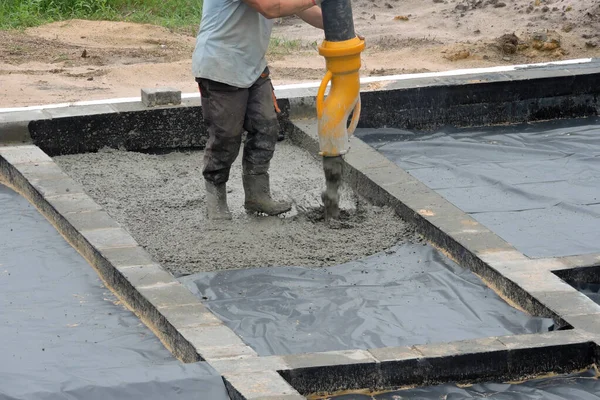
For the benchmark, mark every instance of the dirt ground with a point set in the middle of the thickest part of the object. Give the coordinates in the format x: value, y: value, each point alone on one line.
x: 85, y: 60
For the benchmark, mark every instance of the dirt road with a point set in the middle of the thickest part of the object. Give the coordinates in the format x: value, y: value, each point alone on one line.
x: 86, y: 60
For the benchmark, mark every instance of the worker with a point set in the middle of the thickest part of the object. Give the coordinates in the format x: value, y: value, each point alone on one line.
x: 237, y: 95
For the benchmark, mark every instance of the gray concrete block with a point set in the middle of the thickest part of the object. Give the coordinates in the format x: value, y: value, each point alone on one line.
x: 130, y: 106
x: 128, y: 256
x: 92, y: 220
x: 168, y: 295
x: 79, y: 111
x: 56, y: 185
x: 395, y: 353
x: 146, y: 275
x: 250, y: 365
x: 14, y: 126
x: 567, y: 303
x: 261, y: 385
x: 42, y: 170
x: 556, y: 338
x: 152, y: 97
x: 459, y: 348
x: 109, y: 237
x: 237, y: 352
x: 189, y: 316
x: 24, y: 154
x: 210, y: 336
x: 344, y: 357
x: 71, y: 203
x: 589, y: 323
x: 484, y: 242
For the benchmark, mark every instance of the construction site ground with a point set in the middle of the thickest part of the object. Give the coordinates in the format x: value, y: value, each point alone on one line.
x: 85, y: 60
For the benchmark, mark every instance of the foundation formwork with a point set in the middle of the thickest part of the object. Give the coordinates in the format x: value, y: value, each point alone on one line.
x: 544, y: 287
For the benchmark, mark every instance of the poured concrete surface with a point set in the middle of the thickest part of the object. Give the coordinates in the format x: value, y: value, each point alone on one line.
x: 159, y: 198
x: 536, y: 186
x: 65, y: 335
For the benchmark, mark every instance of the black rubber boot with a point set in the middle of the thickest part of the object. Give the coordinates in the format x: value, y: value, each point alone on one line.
x: 258, y: 191
x: 216, y: 201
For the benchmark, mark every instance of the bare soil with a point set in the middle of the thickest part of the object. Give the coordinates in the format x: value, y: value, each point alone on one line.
x: 84, y: 60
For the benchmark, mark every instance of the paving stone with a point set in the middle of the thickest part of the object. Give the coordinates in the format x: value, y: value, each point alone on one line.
x: 482, y: 345
x: 130, y: 106
x: 146, y: 275
x: 109, y: 237
x: 127, y: 256
x: 189, y: 315
x: 501, y: 256
x: 556, y: 338
x: 589, y: 323
x: 485, y: 242
x: 92, y: 220
x: 395, y: 353
x: 14, y: 126
x: 250, y: 365
x: 571, y: 302
x: 584, y: 260
x: 538, y: 281
x: 24, y: 154
x: 55, y: 185
x: 345, y: 357
x: 236, y: 351
x: 160, y: 96
x: 78, y: 111
x: 261, y: 385
x: 72, y: 203
x: 42, y: 170
x: 168, y: 295
x: 210, y: 336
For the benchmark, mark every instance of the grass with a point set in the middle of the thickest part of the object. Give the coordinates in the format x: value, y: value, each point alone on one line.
x: 282, y: 46
x: 180, y: 15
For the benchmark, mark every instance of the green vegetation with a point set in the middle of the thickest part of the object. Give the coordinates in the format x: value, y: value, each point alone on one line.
x: 174, y: 14
x: 282, y: 46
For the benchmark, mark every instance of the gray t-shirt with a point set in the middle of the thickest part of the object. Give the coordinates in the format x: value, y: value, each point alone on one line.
x: 232, y: 43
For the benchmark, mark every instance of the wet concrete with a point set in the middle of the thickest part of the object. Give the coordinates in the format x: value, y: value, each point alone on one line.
x: 159, y: 198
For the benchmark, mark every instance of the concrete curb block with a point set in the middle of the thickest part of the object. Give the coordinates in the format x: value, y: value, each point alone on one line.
x: 178, y: 318
x: 509, y: 357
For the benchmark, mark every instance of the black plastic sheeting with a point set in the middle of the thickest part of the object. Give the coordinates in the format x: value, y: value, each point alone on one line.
x: 62, y: 333
x: 536, y: 186
x: 411, y: 294
x: 581, y: 386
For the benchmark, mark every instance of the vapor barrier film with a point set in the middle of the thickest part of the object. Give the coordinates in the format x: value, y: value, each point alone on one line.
x: 410, y: 294
x: 537, y: 186
x: 65, y: 336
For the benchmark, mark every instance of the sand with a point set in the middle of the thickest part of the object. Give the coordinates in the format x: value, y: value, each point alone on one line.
x: 45, y: 64
x: 159, y: 199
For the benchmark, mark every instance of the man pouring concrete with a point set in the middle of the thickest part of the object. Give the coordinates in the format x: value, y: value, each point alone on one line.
x: 237, y: 95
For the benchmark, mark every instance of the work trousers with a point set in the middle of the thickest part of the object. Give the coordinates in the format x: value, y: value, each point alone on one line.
x: 228, y: 111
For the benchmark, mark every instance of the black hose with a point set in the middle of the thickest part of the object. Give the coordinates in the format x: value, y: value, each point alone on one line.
x: 337, y: 20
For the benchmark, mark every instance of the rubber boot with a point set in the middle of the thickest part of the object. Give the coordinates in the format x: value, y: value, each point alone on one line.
x: 258, y: 191
x: 216, y: 201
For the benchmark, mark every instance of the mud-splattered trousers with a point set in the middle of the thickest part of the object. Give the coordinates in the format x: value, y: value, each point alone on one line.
x: 228, y: 111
